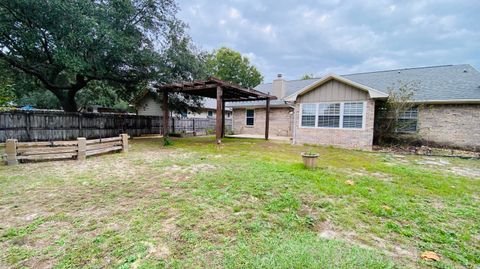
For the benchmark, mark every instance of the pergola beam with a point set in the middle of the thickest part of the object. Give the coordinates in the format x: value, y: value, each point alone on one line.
x: 221, y: 91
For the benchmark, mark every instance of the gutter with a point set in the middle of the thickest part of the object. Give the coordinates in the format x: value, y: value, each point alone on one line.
x: 294, y: 129
x: 446, y: 102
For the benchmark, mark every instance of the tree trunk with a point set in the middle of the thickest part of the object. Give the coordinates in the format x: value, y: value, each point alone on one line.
x: 67, y: 100
x: 68, y: 103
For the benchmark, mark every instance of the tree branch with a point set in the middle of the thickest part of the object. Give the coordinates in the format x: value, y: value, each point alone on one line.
x: 33, y: 72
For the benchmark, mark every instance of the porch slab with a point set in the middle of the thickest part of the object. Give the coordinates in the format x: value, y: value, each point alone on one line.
x: 276, y: 138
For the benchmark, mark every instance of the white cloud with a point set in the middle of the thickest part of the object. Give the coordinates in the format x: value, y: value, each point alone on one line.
x: 338, y: 36
x: 234, y: 13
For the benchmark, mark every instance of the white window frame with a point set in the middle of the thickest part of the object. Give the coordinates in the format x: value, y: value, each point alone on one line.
x: 402, y: 117
x: 340, y: 125
x: 316, y: 115
x: 246, y: 117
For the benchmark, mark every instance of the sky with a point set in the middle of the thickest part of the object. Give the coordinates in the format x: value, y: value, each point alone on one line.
x: 342, y: 37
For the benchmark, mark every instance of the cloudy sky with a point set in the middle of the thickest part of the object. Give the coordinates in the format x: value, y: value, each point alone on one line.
x: 318, y: 37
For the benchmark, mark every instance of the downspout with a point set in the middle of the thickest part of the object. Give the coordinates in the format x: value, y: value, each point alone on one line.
x: 294, y: 130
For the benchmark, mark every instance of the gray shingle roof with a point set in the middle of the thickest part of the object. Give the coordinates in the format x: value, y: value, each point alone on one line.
x: 292, y: 87
x: 446, y: 82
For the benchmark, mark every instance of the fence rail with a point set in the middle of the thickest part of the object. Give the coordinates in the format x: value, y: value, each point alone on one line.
x: 28, y: 126
x: 56, y: 150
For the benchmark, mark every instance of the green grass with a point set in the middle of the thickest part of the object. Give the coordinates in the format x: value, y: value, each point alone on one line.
x: 244, y: 204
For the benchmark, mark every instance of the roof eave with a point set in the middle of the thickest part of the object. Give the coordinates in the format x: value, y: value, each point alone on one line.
x: 446, y: 102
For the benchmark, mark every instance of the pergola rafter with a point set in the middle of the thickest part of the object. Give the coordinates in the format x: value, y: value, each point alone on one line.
x: 217, y: 89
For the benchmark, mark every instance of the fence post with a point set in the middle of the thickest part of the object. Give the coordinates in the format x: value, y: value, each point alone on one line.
x: 173, y: 125
x: 82, y: 149
x: 193, y: 126
x: 124, y: 142
x: 11, y: 151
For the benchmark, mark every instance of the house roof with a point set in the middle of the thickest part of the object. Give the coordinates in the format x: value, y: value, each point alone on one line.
x: 434, y: 84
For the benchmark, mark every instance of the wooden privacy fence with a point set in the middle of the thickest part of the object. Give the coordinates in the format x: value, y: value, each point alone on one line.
x: 76, y: 149
x: 58, y: 125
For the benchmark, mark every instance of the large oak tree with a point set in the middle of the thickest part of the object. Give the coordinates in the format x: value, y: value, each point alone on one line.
x: 68, y: 44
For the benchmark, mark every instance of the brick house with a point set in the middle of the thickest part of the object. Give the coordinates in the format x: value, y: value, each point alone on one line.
x: 340, y: 110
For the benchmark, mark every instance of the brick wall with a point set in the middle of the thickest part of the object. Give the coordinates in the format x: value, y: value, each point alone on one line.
x: 280, y: 122
x: 450, y: 125
x: 348, y: 138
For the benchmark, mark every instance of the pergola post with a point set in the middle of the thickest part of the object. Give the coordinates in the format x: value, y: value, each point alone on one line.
x: 223, y: 118
x: 219, y: 116
x: 267, y: 118
x: 165, y: 114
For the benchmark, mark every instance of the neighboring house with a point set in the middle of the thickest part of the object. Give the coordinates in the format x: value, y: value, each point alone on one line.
x: 340, y: 110
x: 147, y: 105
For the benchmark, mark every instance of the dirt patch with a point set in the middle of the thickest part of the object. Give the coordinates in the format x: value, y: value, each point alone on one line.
x: 327, y: 230
x: 447, y: 166
x: 467, y: 172
x: 428, y: 151
x: 178, y: 172
x: 433, y: 161
x: 358, y: 173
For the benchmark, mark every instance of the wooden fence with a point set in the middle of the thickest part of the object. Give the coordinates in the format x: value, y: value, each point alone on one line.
x: 26, y: 126
x: 75, y: 149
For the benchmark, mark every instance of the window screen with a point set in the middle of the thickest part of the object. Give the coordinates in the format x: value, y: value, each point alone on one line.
x: 329, y: 115
x: 308, y: 115
x: 250, y: 117
x: 352, y: 115
x: 407, y: 121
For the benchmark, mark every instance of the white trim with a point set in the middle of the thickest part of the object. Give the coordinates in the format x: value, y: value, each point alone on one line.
x: 300, y: 115
x: 364, y: 116
x: 340, y: 124
x: 372, y: 92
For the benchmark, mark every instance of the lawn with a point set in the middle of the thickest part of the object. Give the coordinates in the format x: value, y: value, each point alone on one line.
x: 244, y: 204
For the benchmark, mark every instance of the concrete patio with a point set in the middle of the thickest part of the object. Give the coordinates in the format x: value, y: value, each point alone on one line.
x: 285, y: 139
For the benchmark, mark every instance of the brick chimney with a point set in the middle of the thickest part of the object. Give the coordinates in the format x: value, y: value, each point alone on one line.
x: 279, y: 87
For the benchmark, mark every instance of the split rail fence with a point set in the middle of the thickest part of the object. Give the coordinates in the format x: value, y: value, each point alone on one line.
x: 27, y: 126
x: 76, y: 149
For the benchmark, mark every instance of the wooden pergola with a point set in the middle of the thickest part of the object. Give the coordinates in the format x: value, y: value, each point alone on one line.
x: 216, y: 89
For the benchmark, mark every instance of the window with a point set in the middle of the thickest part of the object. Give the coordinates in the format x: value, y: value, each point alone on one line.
x: 250, y: 113
x: 308, y: 115
x: 353, y: 115
x: 210, y: 114
x: 329, y: 115
x: 407, y: 121
x: 348, y: 115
